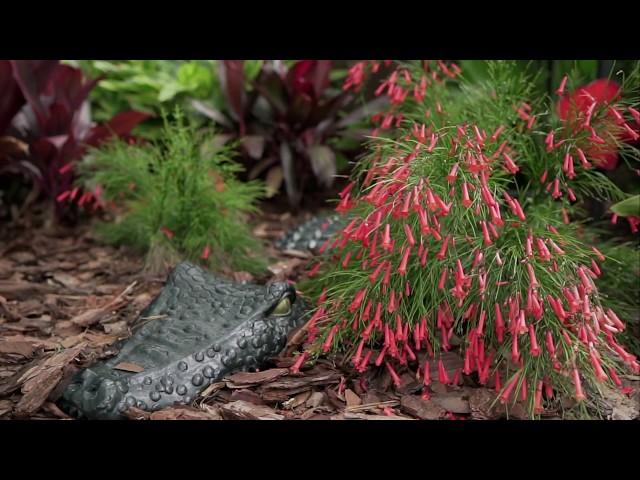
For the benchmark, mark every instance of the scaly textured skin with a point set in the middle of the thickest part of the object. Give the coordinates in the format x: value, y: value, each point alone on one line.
x: 311, y: 235
x: 199, y: 329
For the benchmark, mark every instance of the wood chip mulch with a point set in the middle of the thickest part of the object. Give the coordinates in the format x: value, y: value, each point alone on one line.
x: 66, y: 298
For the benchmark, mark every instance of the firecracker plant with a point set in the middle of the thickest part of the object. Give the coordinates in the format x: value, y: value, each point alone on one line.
x: 175, y: 200
x: 461, y: 234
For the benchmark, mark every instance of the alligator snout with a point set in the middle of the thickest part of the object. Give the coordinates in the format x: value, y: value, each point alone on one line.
x: 203, y: 328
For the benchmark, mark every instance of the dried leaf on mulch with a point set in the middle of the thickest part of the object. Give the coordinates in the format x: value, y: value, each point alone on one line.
x: 285, y: 268
x: 241, y: 410
x: 185, y: 413
x: 5, y: 407
x: 53, y: 409
x: 351, y: 398
x: 245, y: 379
x: 363, y: 416
x: 134, y: 413
x: 212, y: 390
x: 452, y: 402
x: 297, y: 400
x: 129, y: 367
x: 285, y: 387
x: 94, y: 315
x: 23, y: 348
x: 248, y: 396
x: 23, y: 290
x: 481, y: 403
x: 315, y: 399
x: 8, y: 312
x: 423, y: 409
x: 118, y: 329
x: 41, y: 379
x: 624, y: 407
x: 94, y: 339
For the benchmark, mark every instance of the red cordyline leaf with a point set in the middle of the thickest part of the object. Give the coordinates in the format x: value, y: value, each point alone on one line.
x: 602, y: 91
x: 233, y: 71
x: 582, y: 102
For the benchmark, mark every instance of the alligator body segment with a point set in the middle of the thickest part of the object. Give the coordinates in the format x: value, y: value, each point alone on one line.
x: 311, y: 235
x: 200, y: 328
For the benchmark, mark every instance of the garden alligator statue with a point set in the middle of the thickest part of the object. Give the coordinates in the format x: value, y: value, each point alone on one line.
x: 199, y: 329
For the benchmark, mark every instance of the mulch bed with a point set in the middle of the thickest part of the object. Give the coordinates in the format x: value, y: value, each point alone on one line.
x: 66, y: 298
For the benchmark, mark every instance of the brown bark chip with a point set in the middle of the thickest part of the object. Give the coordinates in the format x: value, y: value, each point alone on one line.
x: 41, y: 379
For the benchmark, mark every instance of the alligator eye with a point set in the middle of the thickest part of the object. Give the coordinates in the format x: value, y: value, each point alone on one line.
x: 283, y: 308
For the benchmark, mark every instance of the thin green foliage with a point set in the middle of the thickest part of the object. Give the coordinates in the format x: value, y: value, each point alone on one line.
x: 175, y: 200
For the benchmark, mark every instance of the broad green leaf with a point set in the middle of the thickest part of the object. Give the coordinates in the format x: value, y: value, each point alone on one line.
x: 252, y: 69
x: 628, y: 208
x: 169, y: 91
x: 323, y: 163
x: 195, y: 78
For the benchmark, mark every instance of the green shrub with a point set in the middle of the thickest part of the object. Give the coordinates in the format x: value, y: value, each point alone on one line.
x: 174, y: 200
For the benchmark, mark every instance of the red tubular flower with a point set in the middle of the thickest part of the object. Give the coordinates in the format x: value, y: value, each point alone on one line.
x: 327, y: 343
x: 427, y: 374
x: 563, y: 83
x: 485, y: 233
x: 567, y: 166
x: 407, y: 348
x: 391, y: 306
x: 533, y: 282
x: 380, y: 357
x: 399, y: 329
x: 614, y: 377
x: 376, y: 272
x: 442, y: 374
x: 409, y: 234
x: 453, y: 173
x: 523, y: 390
x: 168, y: 233
x: 538, y: 398
x: 443, y: 278
x: 535, y: 349
x: 504, y: 397
x: 556, y: 189
x: 402, y: 269
x: 357, y: 300
x: 387, y: 276
x: 578, y: 385
x: 365, y: 362
x: 314, y: 270
x: 394, y: 376
x: 386, y: 238
x: 443, y: 249
x: 515, y: 354
x: 295, y: 368
x: 357, y: 356
x: 345, y: 262
x: 367, y: 310
x: 466, y: 201
x: 499, y: 324
x: 509, y: 164
x: 595, y: 362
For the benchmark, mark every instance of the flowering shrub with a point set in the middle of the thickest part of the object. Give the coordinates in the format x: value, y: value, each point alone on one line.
x: 461, y: 234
